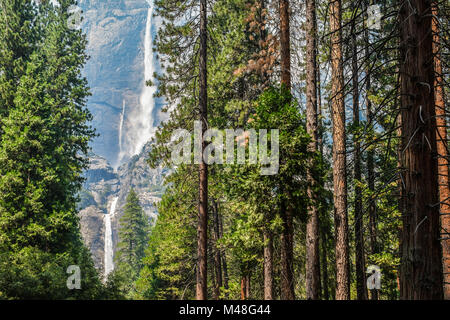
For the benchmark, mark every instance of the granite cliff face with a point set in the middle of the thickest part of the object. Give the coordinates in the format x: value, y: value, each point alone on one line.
x: 119, y: 34
x: 103, y: 184
x: 116, y: 33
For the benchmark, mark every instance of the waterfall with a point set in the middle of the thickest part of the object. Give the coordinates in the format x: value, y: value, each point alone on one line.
x: 121, y: 151
x: 145, y: 119
x: 109, y: 250
x: 137, y: 128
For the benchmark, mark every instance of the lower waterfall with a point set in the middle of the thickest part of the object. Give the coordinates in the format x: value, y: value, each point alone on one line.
x: 109, y: 249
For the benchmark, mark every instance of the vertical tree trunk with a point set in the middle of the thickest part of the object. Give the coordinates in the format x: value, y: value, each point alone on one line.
x: 212, y: 262
x: 421, y: 268
x: 361, y: 290
x: 400, y: 182
x: 371, y: 181
x: 324, y: 267
x: 339, y: 155
x: 247, y: 286
x: 245, y: 283
x: 442, y: 150
x: 202, y: 227
x: 312, y: 226
x: 370, y: 160
x: 263, y: 36
x: 287, y: 274
x: 323, y: 233
x: 243, y: 287
x: 267, y: 233
x: 287, y: 271
x: 268, y: 265
x: 285, y: 44
x: 223, y: 258
x: 217, y: 255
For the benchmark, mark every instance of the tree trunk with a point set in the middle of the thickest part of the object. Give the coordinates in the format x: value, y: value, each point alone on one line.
x: 442, y: 150
x: 339, y: 156
x: 312, y: 226
x: 247, y: 286
x: 263, y: 36
x: 287, y: 272
x: 223, y: 258
x: 202, y: 227
x: 361, y: 290
x: 421, y: 267
x: 217, y: 256
x: 372, y: 210
x: 268, y: 265
x: 285, y: 44
x: 324, y: 267
x: 323, y: 233
x: 212, y: 262
x: 243, y: 287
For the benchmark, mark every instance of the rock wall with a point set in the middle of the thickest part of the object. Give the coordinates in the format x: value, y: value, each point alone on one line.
x: 115, y: 71
x: 115, y: 31
x: 103, y: 184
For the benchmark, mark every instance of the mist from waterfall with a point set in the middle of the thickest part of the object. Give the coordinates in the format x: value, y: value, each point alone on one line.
x: 139, y: 121
x: 109, y: 248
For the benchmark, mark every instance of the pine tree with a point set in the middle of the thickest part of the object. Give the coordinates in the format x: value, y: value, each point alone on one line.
x: 43, y: 149
x: 133, y: 236
x: 168, y: 271
x: 18, y: 39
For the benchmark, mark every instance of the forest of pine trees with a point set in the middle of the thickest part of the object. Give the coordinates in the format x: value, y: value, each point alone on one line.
x: 44, y: 134
x: 358, y: 91
x: 359, y: 97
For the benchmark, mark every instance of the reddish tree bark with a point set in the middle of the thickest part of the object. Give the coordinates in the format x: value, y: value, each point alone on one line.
x: 243, y: 288
x: 202, y: 228
x: 339, y: 155
x: 421, y: 267
x: 312, y: 225
x: 285, y: 44
x: 442, y: 150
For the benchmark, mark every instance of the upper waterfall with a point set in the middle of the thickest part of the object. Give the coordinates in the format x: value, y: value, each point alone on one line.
x: 120, y: 38
x: 142, y: 126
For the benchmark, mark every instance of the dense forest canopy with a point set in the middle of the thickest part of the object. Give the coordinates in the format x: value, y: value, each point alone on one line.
x: 344, y: 101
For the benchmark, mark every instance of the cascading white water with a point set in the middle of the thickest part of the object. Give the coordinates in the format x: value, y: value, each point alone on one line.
x: 121, y: 151
x: 109, y: 249
x: 145, y: 119
x: 137, y: 128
